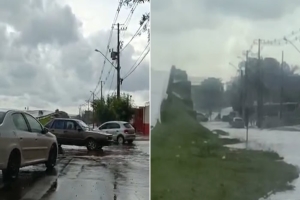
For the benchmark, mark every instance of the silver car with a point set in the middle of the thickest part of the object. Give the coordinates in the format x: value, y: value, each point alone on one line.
x: 121, y: 131
x: 23, y: 142
x: 237, y: 122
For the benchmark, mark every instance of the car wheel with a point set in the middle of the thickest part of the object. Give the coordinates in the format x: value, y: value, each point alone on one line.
x: 91, y: 145
x: 130, y: 141
x: 120, y: 139
x: 51, y: 162
x: 13, y: 167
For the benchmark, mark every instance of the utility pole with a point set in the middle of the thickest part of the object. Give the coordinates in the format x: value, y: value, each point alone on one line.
x: 101, y: 94
x: 246, y: 104
x: 93, y: 94
x: 259, y: 90
x: 281, y: 86
x: 79, y: 111
x: 118, y: 63
x: 242, y: 91
x: 88, y: 104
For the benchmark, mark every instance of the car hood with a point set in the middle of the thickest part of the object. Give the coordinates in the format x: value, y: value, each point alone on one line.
x: 99, y: 132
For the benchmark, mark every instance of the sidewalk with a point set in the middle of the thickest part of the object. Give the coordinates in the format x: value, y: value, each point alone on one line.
x: 140, y: 137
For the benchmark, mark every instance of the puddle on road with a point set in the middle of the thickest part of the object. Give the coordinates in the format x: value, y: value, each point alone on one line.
x: 27, y: 178
x: 108, y: 174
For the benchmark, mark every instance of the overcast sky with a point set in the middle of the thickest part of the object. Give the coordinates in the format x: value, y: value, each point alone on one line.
x: 47, y: 56
x: 203, y: 36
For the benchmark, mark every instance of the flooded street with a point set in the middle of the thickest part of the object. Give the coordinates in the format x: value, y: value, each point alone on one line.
x: 285, y: 143
x: 117, y: 173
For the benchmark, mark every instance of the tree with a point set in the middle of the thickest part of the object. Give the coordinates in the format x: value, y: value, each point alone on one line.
x: 271, y: 83
x: 209, y: 94
x: 113, y: 108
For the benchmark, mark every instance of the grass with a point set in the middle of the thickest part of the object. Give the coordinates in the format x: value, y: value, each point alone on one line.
x: 45, y: 120
x: 189, y: 162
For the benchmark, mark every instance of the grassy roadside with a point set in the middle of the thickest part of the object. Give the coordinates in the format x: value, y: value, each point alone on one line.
x: 189, y: 162
x: 45, y: 120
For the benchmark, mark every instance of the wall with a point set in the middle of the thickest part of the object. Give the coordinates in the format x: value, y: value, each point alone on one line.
x: 146, y: 120
x: 159, y: 84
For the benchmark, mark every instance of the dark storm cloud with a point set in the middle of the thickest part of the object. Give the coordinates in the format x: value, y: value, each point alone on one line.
x: 253, y: 10
x: 179, y: 16
x: 40, y: 22
x: 49, y: 60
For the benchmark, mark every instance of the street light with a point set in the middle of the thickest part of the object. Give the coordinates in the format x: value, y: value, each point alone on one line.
x: 105, y: 57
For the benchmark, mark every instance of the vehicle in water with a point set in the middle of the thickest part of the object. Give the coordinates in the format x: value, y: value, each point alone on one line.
x: 76, y: 132
x: 121, y: 131
x: 24, y: 141
x: 237, y: 122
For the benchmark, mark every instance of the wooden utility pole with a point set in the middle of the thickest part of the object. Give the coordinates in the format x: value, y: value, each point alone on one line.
x: 246, y: 104
x: 259, y: 89
x: 242, y: 91
x: 88, y: 104
x: 101, y: 85
x: 93, y: 120
x: 281, y: 85
x: 118, y: 63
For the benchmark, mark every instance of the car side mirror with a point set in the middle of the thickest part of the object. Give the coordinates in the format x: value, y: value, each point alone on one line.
x: 45, y: 130
x: 79, y: 129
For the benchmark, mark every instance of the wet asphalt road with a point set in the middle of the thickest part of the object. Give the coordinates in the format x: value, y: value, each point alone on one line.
x: 116, y: 173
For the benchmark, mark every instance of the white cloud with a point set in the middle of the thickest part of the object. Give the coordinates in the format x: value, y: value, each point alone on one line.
x: 202, y: 37
x: 47, y: 56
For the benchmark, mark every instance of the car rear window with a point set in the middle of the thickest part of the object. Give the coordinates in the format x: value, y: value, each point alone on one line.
x: 2, y: 116
x: 238, y: 120
x: 127, y: 125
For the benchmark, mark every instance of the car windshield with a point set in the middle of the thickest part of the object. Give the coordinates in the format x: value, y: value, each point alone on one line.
x: 2, y: 116
x: 83, y: 125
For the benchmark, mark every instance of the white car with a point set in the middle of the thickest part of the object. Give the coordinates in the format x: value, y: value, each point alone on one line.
x: 121, y: 131
x: 23, y: 142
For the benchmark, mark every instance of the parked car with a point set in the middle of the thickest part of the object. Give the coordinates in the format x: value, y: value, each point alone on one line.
x: 201, y: 117
x: 76, y: 132
x: 24, y: 141
x: 121, y: 131
x: 237, y: 122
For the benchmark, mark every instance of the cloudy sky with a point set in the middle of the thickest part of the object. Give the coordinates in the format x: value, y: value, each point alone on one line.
x: 204, y: 36
x: 47, y: 56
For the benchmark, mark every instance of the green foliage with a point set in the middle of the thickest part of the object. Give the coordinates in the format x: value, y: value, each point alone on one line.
x: 189, y: 162
x: 145, y: 17
x: 273, y: 76
x: 209, y: 94
x: 113, y: 108
x: 45, y: 120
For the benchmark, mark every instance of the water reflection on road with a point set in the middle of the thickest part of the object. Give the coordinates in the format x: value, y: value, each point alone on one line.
x: 117, y: 172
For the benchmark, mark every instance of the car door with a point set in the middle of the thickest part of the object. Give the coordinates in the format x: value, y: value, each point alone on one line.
x: 42, y: 143
x: 114, y: 128
x: 57, y: 128
x: 27, y: 139
x: 72, y: 133
x: 104, y: 127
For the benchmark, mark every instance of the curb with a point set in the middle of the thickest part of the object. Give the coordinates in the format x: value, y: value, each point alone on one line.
x: 142, y: 138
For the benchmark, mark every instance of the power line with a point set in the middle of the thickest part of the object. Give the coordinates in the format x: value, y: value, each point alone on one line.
x: 137, y: 64
x: 106, y: 78
x: 109, y: 41
x: 138, y: 31
x: 134, y: 6
x: 287, y: 39
x: 112, y: 80
x: 138, y: 58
